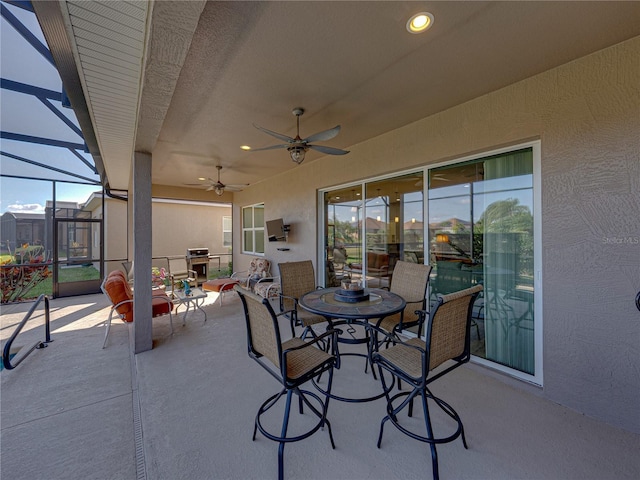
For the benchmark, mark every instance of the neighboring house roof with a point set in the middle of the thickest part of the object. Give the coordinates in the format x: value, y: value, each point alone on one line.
x: 24, y: 215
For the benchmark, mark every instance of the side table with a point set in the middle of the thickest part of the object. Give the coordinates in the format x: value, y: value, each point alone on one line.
x: 195, y: 299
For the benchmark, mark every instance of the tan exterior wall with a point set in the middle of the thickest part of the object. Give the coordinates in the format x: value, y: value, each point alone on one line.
x: 178, y: 226
x: 175, y: 226
x: 587, y: 116
x: 115, y: 234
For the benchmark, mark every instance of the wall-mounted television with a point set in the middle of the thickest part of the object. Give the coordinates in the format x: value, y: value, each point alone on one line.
x: 275, y: 230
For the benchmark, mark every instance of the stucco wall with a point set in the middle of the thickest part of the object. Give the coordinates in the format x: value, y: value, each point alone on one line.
x: 175, y: 226
x: 587, y: 116
x: 115, y: 231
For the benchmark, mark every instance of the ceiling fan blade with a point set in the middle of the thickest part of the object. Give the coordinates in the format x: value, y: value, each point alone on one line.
x: 324, y: 135
x: 211, y: 187
x: 272, y: 147
x: 274, y: 134
x: 233, y: 188
x: 328, y: 150
x: 237, y: 185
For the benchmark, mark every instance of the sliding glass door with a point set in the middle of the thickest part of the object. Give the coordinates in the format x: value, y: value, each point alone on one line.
x: 481, y: 230
x: 370, y: 226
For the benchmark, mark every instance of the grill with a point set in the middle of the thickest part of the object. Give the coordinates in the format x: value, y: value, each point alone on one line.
x: 198, y: 260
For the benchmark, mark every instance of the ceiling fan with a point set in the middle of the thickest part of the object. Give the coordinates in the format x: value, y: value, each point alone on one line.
x: 297, y: 146
x: 218, y: 186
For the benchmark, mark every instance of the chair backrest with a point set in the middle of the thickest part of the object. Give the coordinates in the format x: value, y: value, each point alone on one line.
x: 340, y: 255
x: 177, y: 266
x: 331, y: 278
x: 263, y: 334
x: 259, y: 267
x: 128, y: 269
x: 296, y: 279
x: 117, y: 289
x: 410, y: 281
x: 449, y: 326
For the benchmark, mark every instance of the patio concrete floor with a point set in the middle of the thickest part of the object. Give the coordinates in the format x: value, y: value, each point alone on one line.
x: 185, y: 410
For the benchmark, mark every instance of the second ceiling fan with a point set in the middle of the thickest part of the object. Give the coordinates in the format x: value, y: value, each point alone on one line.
x: 297, y: 147
x: 218, y: 186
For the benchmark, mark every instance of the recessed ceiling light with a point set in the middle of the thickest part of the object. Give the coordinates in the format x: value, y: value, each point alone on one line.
x: 420, y: 22
x: 202, y: 179
x: 245, y: 147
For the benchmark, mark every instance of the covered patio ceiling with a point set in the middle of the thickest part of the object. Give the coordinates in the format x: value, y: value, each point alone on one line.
x: 186, y: 80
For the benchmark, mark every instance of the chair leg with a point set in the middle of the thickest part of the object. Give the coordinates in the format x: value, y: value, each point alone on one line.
x: 432, y: 445
x: 282, y: 439
x: 475, y: 324
x: 106, y: 333
x: 388, y: 399
x: 323, y: 414
x: 326, y: 408
x: 448, y: 409
x: 283, y: 434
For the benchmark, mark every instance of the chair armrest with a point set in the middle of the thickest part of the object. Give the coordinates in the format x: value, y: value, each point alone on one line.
x: 315, y: 340
x: 269, y: 279
x: 193, y: 274
x: 387, y: 336
x: 285, y: 312
x: 119, y: 304
x: 295, y: 300
x: 377, y: 357
x: 240, y: 274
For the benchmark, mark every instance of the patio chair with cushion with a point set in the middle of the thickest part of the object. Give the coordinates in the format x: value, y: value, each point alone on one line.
x: 257, y: 279
x: 296, y: 279
x: 118, y: 290
x: 258, y: 268
x: 447, y: 338
x: 268, y: 287
x: 410, y: 281
x: 293, y: 363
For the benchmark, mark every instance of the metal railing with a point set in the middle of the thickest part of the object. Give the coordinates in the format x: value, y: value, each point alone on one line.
x: 6, y: 353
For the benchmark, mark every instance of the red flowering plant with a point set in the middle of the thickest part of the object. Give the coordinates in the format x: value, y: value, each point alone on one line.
x: 22, y: 271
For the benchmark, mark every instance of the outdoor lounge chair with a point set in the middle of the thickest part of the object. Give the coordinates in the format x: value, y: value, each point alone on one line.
x: 447, y: 338
x: 118, y: 290
x: 292, y: 363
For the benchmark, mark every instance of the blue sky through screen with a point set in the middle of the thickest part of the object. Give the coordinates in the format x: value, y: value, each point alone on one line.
x: 24, y: 114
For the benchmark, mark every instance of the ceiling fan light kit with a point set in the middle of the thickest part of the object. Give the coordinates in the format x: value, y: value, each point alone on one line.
x: 297, y: 154
x: 298, y: 147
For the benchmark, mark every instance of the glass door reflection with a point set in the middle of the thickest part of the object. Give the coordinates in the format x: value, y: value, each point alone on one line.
x: 481, y: 231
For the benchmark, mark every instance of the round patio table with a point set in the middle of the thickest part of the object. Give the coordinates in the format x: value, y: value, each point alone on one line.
x: 380, y: 304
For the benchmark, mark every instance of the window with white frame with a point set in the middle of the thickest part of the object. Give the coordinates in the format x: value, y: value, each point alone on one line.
x: 226, y: 231
x: 253, y: 229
